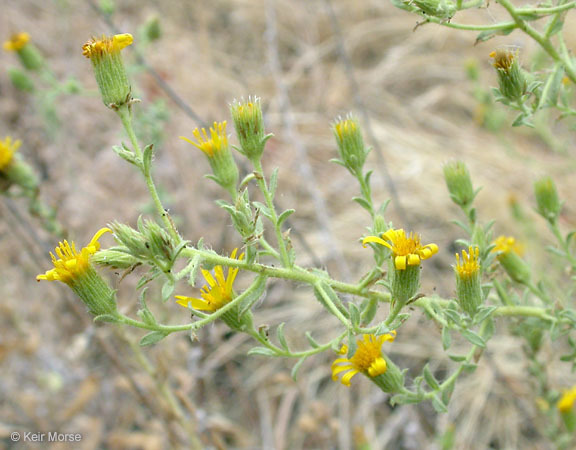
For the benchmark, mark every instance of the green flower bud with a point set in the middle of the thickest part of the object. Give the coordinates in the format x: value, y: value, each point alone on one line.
x: 106, y: 57
x: 75, y: 269
x: 20, y: 80
x: 249, y: 124
x: 442, y: 9
x: 547, y: 200
x: 468, y: 287
x: 351, y: 146
x: 459, y: 183
x: 152, y: 29
x: 219, y: 155
x: 13, y: 170
x: 511, y: 79
x: 28, y: 54
x: 115, y: 257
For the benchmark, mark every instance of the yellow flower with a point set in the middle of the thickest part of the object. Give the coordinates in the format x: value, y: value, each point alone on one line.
x: 16, y: 42
x: 503, y: 59
x: 507, y: 244
x: 367, y: 359
x: 217, y: 293
x: 469, y: 266
x: 407, y: 250
x: 7, y: 149
x: 566, y: 402
x: 71, y: 263
x: 97, y: 47
x: 216, y: 143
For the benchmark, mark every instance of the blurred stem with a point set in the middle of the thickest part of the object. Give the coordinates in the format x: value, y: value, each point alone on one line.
x: 126, y: 116
x: 563, y: 244
x: 261, y: 180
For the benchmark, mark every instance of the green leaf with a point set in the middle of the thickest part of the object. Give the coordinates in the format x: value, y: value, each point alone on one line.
x: 363, y: 203
x: 313, y: 343
x: 261, y: 351
x: 453, y: 316
x: 483, y: 313
x: 263, y: 209
x: 147, y: 158
x: 168, y: 290
x: 446, y: 338
x: 111, y: 318
x: 273, y: 182
x: 473, y: 338
x: 284, y: 216
x: 489, y: 34
x: 457, y: 358
x: 403, y: 399
x: 439, y: 405
x: 354, y: 314
x: 152, y: 338
x: 430, y: 379
x: 281, y: 337
x: 296, y: 368
x: 469, y: 367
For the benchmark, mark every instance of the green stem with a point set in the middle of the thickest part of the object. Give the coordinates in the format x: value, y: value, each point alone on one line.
x: 331, y: 306
x: 261, y: 180
x: 126, y: 118
x: 284, y: 353
x: 563, y: 244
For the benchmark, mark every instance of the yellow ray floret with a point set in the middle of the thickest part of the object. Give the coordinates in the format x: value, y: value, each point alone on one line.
x: 213, y: 144
x: 469, y: 266
x: 367, y: 359
x: 7, y: 149
x: 72, y: 263
x: 407, y: 250
x: 346, y: 127
x: 566, y: 402
x: 16, y: 42
x: 217, y: 293
x: 105, y: 45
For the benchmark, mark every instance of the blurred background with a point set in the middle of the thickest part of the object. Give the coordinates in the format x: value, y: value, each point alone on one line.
x: 422, y: 97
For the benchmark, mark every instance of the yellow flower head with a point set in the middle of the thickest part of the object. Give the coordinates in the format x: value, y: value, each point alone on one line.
x: 367, y: 359
x: 98, y: 47
x: 566, y: 402
x: 217, y: 293
x: 7, y: 149
x: 506, y: 244
x: 503, y: 59
x: 216, y: 143
x: 16, y: 42
x: 72, y: 263
x: 407, y: 250
x: 469, y: 266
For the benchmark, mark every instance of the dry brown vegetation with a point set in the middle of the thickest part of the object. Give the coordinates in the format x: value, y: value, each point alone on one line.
x: 62, y: 372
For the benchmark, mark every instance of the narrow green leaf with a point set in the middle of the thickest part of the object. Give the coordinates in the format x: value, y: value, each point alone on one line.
x: 446, y: 338
x: 273, y: 182
x: 296, y: 368
x: 152, y: 338
x: 261, y: 351
x: 284, y: 216
x: 168, y: 290
x: 473, y: 338
x: 439, y: 405
x: 430, y: 379
x: 281, y: 337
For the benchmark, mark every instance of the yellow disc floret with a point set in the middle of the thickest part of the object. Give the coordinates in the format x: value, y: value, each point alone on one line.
x: 69, y: 263
x: 367, y: 359
x: 407, y: 249
x: 507, y: 244
x: 469, y: 266
x: 97, y: 47
x: 7, y: 149
x: 566, y: 402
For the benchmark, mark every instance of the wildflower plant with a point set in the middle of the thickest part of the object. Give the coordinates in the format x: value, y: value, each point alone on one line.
x: 491, y: 278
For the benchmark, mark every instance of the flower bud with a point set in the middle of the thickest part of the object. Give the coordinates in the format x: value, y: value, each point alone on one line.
x: 106, y: 57
x: 459, y: 183
x: 508, y: 256
x: 152, y: 29
x: 28, y: 54
x: 547, y: 200
x: 216, y: 148
x: 566, y: 407
x: 75, y: 269
x: 14, y: 170
x: 350, y: 143
x: 20, y: 80
x: 249, y: 124
x: 511, y: 79
x: 468, y: 287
